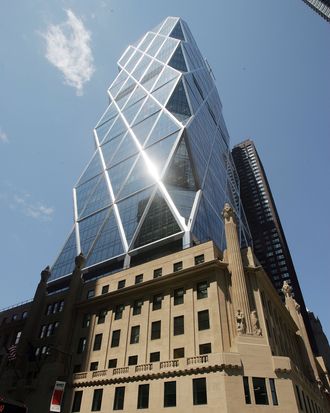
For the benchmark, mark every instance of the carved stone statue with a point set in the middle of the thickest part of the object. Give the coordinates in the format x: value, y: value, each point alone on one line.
x: 240, y: 322
x: 256, y: 330
x: 79, y: 261
x: 45, y: 274
x: 227, y: 212
x: 287, y: 289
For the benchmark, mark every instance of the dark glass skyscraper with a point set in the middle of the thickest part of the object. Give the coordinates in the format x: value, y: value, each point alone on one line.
x: 162, y: 169
x: 322, y: 7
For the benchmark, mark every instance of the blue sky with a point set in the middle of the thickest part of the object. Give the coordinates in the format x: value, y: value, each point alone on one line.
x: 272, y: 66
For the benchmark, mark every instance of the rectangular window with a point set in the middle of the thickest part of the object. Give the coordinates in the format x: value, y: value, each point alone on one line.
x: 178, y: 325
x: 115, y: 338
x: 154, y: 356
x: 177, y: 266
x: 94, y: 365
x: 202, y: 290
x: 170, y: 394
x: 157, y: 302
x: 132, y: 360
x: 86, y: 320
x: 97, y: 400
x: 178, y: 296
x: 143, y: 396
x: 137, y: 306
x: 90, y: 294
x: 205, y: 348
x: 260, y: 391
x: 199, y: 259
x: 178, y: 353
x: 138, y: 278
x: 273, y: 391
x: 97, y: 342
x: 76, y: 401
x: 112, y: 363
x: 135, y: 334
x: 155, y: 330
x: 119, y: 311
x: 158, y: 272
x: 43, y: 331
x: 101, y: 316
x: 49, y: 309
x: 199, y: 391
x: 246, y: 390
x: 105, y: 289
x: 203, y: 320
x: 81, y: 345
x: 118, y: 402
x: 121, y: 284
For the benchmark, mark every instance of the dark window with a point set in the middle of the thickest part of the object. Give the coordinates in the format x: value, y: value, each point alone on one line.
x: 143, y: 396
x: 158, y: 272
x: 90, y: 294
x: 86, y: 320
x: 119, y: 311
x: 115, y: 338
x: 178, y: 325
x: 94, y: 365
x: 105, y: 289
x: 132, y: 360
x: 138, y: 279
x: 97, y: 342
x: 43, y: 330
x: 199, y: 259
x: 177, y: 266
x: 170, y: 393
x: 135, y: 334
x: 61, y: 306
x: 118, y: 403
x: 121, y: 284
x: 81, y: 345
x: 155, y: 330
x: 260, y: 391
x: 299, y: 398
x: 205, y: 348
x: 202, y: 290
x: 24, y: 315
x: 49, y: 309
x: 97, y: 400
x: 246, y: 390
x: 137, y: 306
x: 76, y: 401
x: 178, y: 296
x: 178, y: 353
x: 157, y: 302
x: 154, y: 356
x: 273, y: 391
x: 199, y: 391
x: 203, y: 320
x: 101, y: 316
x: 112, y: 363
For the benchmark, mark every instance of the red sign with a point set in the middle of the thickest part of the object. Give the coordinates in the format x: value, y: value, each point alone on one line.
x: 55, y: 404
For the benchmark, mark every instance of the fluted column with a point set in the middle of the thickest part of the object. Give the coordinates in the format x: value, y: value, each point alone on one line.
x: 240, y: 296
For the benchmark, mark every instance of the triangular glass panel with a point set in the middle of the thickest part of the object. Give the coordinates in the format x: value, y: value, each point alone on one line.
x: 139, y: 178
x: 126, y: 149
x: 104, y: 128
x: 99, y: 199
x: 178, y: 103
x: 88, y: 229
x: 182, y: 199
x: 94, y: 168
x: 142, y: 129
x: 167, y: 75
x: 159, y: 223
x: 163, y: 93
x: 201, y: 229
x: 155, y: 45
x: 133, y: 61
x: 146, y: 41
x: 165, y: 126
x: 130, y: 112
x: 125, y: 92
x: 138, y: 94
x: 108, y: 244
x: 197, y: 158
x: 125, y: 56
x: 167, y: 49
x: 177, y: 32
x: 149, y: 108
x: 168, y: 26
x: 131, y: 210
x: 84, y: 191
x: 149, y: 78
x: 141, y: 67
x: 178, y: 61
x: 64, y: 263
x: 119, y: 173
x: 109, y: 149
x: 117, y: 128
x: 110, y: 113
x: 194, y: 97
x: 118, y: 83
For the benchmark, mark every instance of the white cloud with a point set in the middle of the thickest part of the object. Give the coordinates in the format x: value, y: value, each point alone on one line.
x: 30, y: 208
x: 3, y: 136
x: 68, y: 49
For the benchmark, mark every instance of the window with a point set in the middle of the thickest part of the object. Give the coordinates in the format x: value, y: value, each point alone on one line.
x: 94, y: 365
x: 119, y: 311
x: 81, y: 345
x: 112, y: 363
x: 203, y: 320
x: 260, y: 392
x: 155, y: 330
x: 177, y: 266
x: 178, y: 325
x: 299, y: 398
x: 137, y: 306
x: 24, y: 315
x: 86, y: 320
x: 138, y: 278
x: 178, y: 353
x: 61, y: 306
x: 158, y: 272
x: 76, y: 401
x: 170, y: 393
x: 43, y: 331
x: 97, y: 342
x: 132, y: 360
x: 273, y: 391
x: 199, y: 391
x: 118, y: 403
x: 90, y: 294
x: 97, y: 400
x: 205, y: 348
x: 105, y: 289
x: 154, y: 356
x: 157, y: 302
x: 121, y: 284
x: 199, y: 259
x: 178, y: 296
x: 143, y: 396
x: 135, y: 334
x: 49, y: 309
x: 246, y: 390
x: 101, y: 316
x: 115, y: 338
x: 202, y: 290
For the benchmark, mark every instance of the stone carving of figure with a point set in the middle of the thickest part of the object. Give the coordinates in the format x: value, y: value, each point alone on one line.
x: 240, y: 322
x: 80, y: 261
x: 287, y: 289
x: 227, y: 212
x: 45, y: 274
x: 256, y: 330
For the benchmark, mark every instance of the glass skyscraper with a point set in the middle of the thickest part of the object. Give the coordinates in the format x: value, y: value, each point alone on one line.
x: 162, y: 169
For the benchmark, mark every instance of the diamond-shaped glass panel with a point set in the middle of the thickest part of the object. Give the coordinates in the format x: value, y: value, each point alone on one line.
x: 109, y: 149
x: 165, y: 126
x: 155, y: 45
x: 117, y: 128
x: 93, y: 169
x: 146, y: 41
x: 167, y: 49
x: 88, y: 229
x: 142, y: 129
x: 64, y: 263
x: 150, y: 77
x: 178, y: 103
x: 119, y: 173
x: 99, y: 199
x: 162, y: 94
x: 84, y: 191
x: 130, y: 111
x: 126, y: 149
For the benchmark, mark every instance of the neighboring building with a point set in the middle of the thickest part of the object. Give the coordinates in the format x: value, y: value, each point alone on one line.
x: 322, y: 7
x: 156, y: 300
x: 321, y: 341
